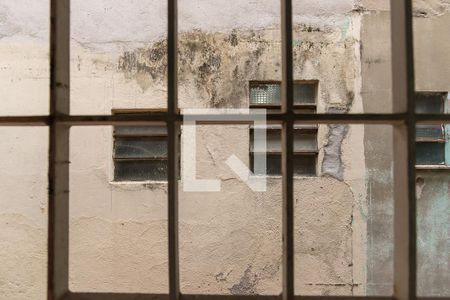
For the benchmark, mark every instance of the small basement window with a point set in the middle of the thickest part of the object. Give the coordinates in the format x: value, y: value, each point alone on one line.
x: 305, y: 150
x: 431, y: 139
x: 140, y: 153
x: 268, y: 95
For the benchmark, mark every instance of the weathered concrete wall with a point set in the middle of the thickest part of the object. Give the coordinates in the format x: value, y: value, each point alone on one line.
x: 433, y: 232
x: 376, y: 91
x: 432, y: 66
x: 23, y: 213
x: 230, y: 242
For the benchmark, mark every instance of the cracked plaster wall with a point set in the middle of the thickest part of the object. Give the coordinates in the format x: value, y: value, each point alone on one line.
x: 432, y: 64
x: 230, y: 242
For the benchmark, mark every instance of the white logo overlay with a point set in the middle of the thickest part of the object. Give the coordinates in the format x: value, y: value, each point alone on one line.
x: 255, y: 182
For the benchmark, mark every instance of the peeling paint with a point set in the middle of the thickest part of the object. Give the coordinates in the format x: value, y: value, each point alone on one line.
x: 332, y: 164
x: 429, y: 8
x: 247, y: 283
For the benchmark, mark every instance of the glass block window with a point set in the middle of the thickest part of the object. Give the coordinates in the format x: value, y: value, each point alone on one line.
x: 140, y: 153
x: 429, y: 153
x: 265, y: 94
x: 430, y: 103
x: 431, y: 139
x: 305, y: 151
x: 305, y: 93
x: 430, y: 133
x: 269, y: 94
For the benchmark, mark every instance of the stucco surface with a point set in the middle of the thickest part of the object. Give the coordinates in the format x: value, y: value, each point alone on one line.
x: 230, y: 242
x: 23, y: 213
x: 433, y: 225
x: 431, y: 65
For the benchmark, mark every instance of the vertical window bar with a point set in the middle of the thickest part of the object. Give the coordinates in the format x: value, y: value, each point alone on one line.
x: 287, y: 169
x: 404, y: 151
x: 173, y: 149
x: 58, y: 172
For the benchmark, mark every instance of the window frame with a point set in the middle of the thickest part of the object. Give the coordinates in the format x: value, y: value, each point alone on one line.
x: 297, y: 127
x: 302, y: 129
x: 278, y: 106
x: 403, y: 118
x: 129, y: 136
x: 444, y: 109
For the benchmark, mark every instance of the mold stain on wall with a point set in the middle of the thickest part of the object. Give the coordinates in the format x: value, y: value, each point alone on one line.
x: 215, y: 68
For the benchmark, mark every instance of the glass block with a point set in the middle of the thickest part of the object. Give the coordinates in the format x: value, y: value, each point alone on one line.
x: 303, y: 142
x: 429, y: 153
x: 305, y: 165
x: 140, y: 170
x: 265, y: 94
x: 273, y: 141
x: 140, y: 130
x: 430, y: 103
x: 429, y: 132
x: 273, y: 164
x: 305, y: 93
x: 140, y: 147
x: 270, y: 93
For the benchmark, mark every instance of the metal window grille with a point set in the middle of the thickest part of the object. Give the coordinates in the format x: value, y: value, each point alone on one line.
x: 404, y: 120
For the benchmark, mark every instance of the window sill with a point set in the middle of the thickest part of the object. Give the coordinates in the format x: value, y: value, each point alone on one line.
x: 295, y: 176
x: 432, y: 167
x: 138, y: 185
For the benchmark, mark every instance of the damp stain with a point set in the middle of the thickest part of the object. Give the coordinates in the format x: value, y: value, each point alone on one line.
x: 216, y: 68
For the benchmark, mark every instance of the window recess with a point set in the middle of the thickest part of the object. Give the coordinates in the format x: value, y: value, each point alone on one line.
x: 431, y: 140
x: 140, y: 153
x: 305, y: 150
x: 268, y: 95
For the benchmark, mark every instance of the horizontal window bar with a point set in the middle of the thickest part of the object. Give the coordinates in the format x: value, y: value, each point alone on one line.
x: 432, y: 167
x: 429, y: 140
x: 119, y: 158
x: 112, y: 296
x: 160, y: 119
x: 297, y: 152
x: 25, y: 121
x: 131, y: 136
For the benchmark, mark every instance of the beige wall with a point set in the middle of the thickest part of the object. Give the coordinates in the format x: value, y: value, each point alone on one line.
x: 432, y: 65
x: 230, y: 242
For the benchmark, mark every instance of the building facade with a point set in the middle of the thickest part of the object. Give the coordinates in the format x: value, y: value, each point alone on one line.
x: 229, y: 57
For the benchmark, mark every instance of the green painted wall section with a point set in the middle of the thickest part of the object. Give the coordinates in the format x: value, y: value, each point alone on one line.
x: 447, y: 132
x: 433, y: 239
